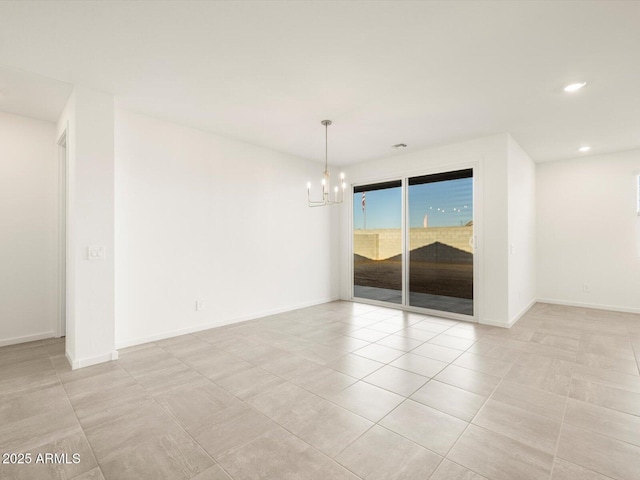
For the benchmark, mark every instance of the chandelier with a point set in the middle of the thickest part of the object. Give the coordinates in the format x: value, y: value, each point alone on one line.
x: 338, y: 193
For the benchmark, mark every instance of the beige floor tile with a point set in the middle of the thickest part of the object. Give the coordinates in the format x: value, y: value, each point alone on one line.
x: 437, y: 352
x: 480, y: 363
x: 368, y: 334
x: 610, y: 378
x: 30, y: 431
x: 417, y: 333
x: 470, y: 380
x: 95, y: 474
x: 612, y: 423
x: 345, y: 344
x: 380, y: 454
x: 529, y: 428
x: 530, y: 399
x: 489, y: 348
x: 396, y: 380
x: 230, y: 429
x: 367, y: 400
x: 605, y: 396
x: 280, y: 402
x: 291, y: 367
x: 327, y: 427
x: 430, y: 326
x: 500, y: 458
x: 27, y: 375
x: 217, y: 364
x: 169, y: 457
x: 424, y: 425
x: 18, y: 406
x: 379, y: 353
x: 542, y: 372
x: 558, y: 341
x: 102, y: 399
x: 169, y: 376
x: 623, y: 365
x: 399, y: 342
x: 427, y: 367
x: 213, y: 473
x: 122, y: 430
x: 249, y: 383
x: 457, y: 343
x: 280, y: 455
x: 197, y: 405
x: 601, y: 454
x: 355, y: 366
x: 449, y: 399
x: 563, y: 470
x: 452, y: 471
x: 284, y: 364
x: 321, y: 353
x: 324, y: 381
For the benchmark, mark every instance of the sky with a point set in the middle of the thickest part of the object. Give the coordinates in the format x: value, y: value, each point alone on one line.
x: 384, y: 207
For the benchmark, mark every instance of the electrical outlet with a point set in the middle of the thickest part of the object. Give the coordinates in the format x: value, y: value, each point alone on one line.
x: 96, y: 252
x: 199, y: 305
x: 586, y: 288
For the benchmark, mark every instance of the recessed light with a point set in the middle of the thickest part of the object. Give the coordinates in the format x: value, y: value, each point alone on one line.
x: 584, y: 149
x: 574, y: 87
x: 399, y: 145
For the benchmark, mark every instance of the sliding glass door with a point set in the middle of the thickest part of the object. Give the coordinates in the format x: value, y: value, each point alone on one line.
x: 426, y: 261
x: 377, y: 242
x: 440, y: 241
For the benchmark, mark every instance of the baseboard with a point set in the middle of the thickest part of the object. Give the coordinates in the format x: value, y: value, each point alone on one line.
x: 220, y: 323
x: 494, y: 323
x: 522, y: 313
x: 27, y: 338
x: 595, y: 306
x: 89, y: 361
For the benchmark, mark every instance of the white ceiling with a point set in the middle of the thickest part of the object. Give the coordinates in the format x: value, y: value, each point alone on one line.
x: 420, y: 73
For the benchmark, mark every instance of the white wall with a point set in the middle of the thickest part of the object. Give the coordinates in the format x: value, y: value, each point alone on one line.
x: 522, y: 230
x: 201, y: 217
x: 89, y: 120
x: 588, y: 231
x: 28, y: 219
x: 489, y: 156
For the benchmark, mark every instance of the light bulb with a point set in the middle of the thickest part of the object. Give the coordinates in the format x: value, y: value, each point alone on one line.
x: 341, y: 175
x: 344, y: 185
x: 324, y: 181
x: 574, y: 87
x: 584, y: 149
x: 308, y: 185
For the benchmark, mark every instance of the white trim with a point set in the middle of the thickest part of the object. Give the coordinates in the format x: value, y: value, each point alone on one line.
x: 522, y: 313
x: 493, y: 323
x: 26, y: 338
x: 595, y: 306
x: 87, y: 362
x: 63, y: 182
x: 207, y: 326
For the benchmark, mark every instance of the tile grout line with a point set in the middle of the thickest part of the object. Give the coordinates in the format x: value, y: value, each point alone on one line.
x: 66, y: 394
x: 469, y: 423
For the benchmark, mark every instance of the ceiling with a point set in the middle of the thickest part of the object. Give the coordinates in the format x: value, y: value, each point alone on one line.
x: 420, y: 73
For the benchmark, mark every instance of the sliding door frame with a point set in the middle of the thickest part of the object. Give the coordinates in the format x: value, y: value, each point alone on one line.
x: 477, y: 244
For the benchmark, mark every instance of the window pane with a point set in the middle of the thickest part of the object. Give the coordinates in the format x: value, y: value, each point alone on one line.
x: 440, y: 242
x: 377, y: 242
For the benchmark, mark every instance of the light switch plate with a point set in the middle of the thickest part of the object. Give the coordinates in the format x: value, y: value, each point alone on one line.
x: 96, y: 252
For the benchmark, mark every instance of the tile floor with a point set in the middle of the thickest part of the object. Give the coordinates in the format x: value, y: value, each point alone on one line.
x: 339, y: 391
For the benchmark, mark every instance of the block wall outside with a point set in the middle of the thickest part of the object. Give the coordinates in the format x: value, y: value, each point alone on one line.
x: 379, y: 244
